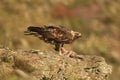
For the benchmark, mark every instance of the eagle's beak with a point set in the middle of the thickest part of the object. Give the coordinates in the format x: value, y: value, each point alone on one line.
x: 80, y: 35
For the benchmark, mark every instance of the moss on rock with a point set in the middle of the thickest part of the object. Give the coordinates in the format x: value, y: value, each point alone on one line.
x: 38, y: 65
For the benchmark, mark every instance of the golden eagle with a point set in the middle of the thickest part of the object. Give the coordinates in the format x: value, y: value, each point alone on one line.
x: 56, y: 35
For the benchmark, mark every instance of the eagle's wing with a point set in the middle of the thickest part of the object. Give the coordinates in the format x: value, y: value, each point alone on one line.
x: 51, y: 33
x: 59, y: 34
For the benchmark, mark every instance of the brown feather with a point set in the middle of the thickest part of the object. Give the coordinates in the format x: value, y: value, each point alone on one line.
x: 56, y: 35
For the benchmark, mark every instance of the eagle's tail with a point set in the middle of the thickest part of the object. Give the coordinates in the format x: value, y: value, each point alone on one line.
x: 31, y: 30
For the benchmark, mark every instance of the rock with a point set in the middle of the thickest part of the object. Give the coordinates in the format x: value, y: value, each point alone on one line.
x: 41, y: 65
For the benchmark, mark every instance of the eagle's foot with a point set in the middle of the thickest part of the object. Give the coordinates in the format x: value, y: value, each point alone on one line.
x: 65, y: 52
x: 71, y: 54
x: 68, y: 53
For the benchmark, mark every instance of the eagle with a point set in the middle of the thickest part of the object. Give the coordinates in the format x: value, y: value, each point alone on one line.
x: 56, y: 35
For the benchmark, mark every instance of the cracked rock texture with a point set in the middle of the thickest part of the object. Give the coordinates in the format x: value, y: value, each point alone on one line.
x: 43, y: 65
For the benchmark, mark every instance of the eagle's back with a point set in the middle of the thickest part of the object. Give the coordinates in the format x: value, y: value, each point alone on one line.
x: 53, y: 34
x: 58, y: 34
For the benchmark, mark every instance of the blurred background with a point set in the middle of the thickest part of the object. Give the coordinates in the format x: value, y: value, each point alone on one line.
x: 97, y: 20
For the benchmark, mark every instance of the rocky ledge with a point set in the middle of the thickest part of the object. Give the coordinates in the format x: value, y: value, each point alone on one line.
x: 43, y: 65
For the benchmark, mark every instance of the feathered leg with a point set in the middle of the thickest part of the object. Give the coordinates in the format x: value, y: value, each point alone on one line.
x: 58, y: 47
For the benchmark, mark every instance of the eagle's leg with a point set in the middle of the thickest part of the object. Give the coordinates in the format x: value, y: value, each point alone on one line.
x: 60, y: 51
x: 58, y: 47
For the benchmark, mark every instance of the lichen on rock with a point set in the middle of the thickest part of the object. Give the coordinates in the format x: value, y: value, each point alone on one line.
x: 43, y: 65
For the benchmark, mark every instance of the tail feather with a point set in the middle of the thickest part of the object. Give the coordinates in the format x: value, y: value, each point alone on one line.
x: 38, y: 30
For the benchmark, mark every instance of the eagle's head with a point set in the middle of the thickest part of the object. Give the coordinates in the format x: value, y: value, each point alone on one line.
x: 76, y: 34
